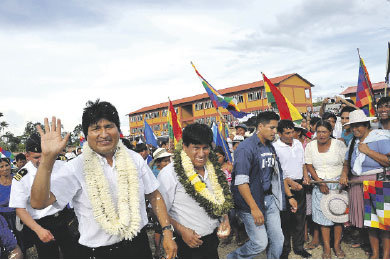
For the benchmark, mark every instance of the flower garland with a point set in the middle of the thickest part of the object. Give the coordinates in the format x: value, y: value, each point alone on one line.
x: 216, y: 203
x: 126, y: 222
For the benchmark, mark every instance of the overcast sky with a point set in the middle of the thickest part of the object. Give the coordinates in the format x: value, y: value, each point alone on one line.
x: 56, y: 55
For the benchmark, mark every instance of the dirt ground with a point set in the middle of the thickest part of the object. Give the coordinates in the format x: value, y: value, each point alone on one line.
x: 224, y: 249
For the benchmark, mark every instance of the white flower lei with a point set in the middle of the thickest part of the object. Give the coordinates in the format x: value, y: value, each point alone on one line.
x: 126, y: 222
x: 217, y: 196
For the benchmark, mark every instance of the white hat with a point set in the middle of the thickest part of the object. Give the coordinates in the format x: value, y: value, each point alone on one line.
x: 159, y: 153
x: 358, y: 116
x: 334, y: 206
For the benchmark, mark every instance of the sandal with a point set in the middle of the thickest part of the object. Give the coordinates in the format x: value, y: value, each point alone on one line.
x: 311, y: 246
x: 326, y: 256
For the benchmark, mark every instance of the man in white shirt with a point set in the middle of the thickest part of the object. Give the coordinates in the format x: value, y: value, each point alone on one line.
x: 106, y: 184
x: 46, y: 228
x: 291, y: 156
x: 197, y: 195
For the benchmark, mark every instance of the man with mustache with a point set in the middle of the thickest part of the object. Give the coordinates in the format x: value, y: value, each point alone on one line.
x: 107, y: 185
x: 258, y: 190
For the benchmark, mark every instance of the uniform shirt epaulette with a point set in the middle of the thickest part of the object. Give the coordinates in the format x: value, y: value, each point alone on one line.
x: 19, y: 175
x: 61, y: 158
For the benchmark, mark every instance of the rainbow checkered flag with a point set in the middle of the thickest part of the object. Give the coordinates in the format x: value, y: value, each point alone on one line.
x: 377, y: 204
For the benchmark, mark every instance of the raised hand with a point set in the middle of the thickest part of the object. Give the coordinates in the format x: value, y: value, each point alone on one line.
x: 52, y: 142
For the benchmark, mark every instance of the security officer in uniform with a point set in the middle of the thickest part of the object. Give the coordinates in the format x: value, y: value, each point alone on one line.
x: 47, y: 228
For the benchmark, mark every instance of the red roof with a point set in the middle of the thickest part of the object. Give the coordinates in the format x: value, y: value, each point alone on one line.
x: 352, y: 89
x: 234, y: 89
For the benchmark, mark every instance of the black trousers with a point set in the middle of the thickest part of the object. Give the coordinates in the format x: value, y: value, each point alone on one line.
x: 293, y: 224
x: 208, y: 250
x: 58, y: 226
x: 137, y: 248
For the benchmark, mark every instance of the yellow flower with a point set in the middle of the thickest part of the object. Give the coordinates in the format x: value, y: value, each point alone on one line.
x: 199, y: 186
x: 192, y: 177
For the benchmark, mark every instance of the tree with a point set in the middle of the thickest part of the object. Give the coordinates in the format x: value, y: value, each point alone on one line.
x: 75, y: 135
x: 3, y: 126
x: 29, y: 129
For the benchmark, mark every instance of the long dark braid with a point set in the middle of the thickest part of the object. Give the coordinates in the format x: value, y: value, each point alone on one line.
x: 350, y: 152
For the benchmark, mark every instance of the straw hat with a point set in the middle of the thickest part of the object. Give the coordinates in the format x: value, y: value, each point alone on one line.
x: 334, y: 206
x: 159, y: 153
x: 358, y: 116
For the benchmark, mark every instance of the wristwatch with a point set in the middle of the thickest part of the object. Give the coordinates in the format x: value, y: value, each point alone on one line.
x: 168, y: 227
x: 290, y: 197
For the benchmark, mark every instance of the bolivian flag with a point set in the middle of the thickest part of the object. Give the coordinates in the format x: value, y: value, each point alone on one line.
x: 277, y: 100
x: 174, y: 127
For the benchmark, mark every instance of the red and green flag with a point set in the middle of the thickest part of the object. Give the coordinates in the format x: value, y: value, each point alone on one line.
x: 174, y: 127
x: 279, y: 101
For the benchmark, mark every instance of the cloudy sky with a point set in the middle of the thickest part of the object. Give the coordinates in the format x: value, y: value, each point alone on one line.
x: 56, y: 55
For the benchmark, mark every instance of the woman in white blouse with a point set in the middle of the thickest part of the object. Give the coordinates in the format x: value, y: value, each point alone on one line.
x: 324, y: 160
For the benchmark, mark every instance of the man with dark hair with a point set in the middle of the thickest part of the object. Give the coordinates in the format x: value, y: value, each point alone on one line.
x: 106, y: 184
x: 47, y: 228
x: 21, y: 160
x: 332, y: 119
x: 291, y: 156
x: 197, y: 195
x: 346, y: 135
x: 383, y: 111
x: 258, y: 190
x: 143, y: 150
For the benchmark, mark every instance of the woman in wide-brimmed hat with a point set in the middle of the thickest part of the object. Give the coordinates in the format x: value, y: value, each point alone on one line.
x: 368, y: 153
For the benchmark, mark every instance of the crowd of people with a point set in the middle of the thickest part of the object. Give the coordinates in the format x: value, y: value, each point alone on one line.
x: 284, y: 182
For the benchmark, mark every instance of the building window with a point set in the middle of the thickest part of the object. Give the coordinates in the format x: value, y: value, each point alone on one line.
x: 199, y: 106
x: 263, y: 94
x: 252, y: 96
x: 307, y: 93
x: 165, y: 126
x: 156, y: 128
x: 238, y: 98
x: 228, y: 118
x: 164, y: 112
x: 208, y: 105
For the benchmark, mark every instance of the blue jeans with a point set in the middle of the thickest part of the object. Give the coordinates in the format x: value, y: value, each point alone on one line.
x: 260, y: 236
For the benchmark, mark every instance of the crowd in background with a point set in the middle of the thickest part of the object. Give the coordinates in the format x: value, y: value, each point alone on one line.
x: 348, y: 146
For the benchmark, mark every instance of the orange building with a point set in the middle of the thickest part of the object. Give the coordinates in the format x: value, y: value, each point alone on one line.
x: 379, y: 91
x: 251, y: 98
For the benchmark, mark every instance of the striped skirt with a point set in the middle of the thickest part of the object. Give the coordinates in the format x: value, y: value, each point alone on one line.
x: 356, y: 203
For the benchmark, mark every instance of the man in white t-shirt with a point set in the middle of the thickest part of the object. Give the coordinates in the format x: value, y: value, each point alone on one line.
x: 107, y: 185
x: 291, y: 156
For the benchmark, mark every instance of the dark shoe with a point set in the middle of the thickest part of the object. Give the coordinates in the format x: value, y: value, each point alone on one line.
x: 303, y: 253
x: 284, y: 255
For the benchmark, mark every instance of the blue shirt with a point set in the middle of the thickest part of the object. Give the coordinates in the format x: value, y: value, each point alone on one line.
x: 5, y: 191
x: 254, y: 164
x: 347, y: 138
x: 7, y: 239
x: 382, y: 147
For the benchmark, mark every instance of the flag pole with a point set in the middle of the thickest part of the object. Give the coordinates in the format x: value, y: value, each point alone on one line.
x: 387, y: 69
x: 169, y: 136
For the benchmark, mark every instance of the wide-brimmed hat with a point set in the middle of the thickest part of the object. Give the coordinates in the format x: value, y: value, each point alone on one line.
x: 159, y: 153
x: 358, y: 116
x: 334, y: 206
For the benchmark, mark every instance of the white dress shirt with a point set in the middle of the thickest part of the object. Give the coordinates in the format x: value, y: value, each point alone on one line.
x: 21, y: 190
x: 291, y: 158
x: 70, y: 185
x: 181, y: 206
